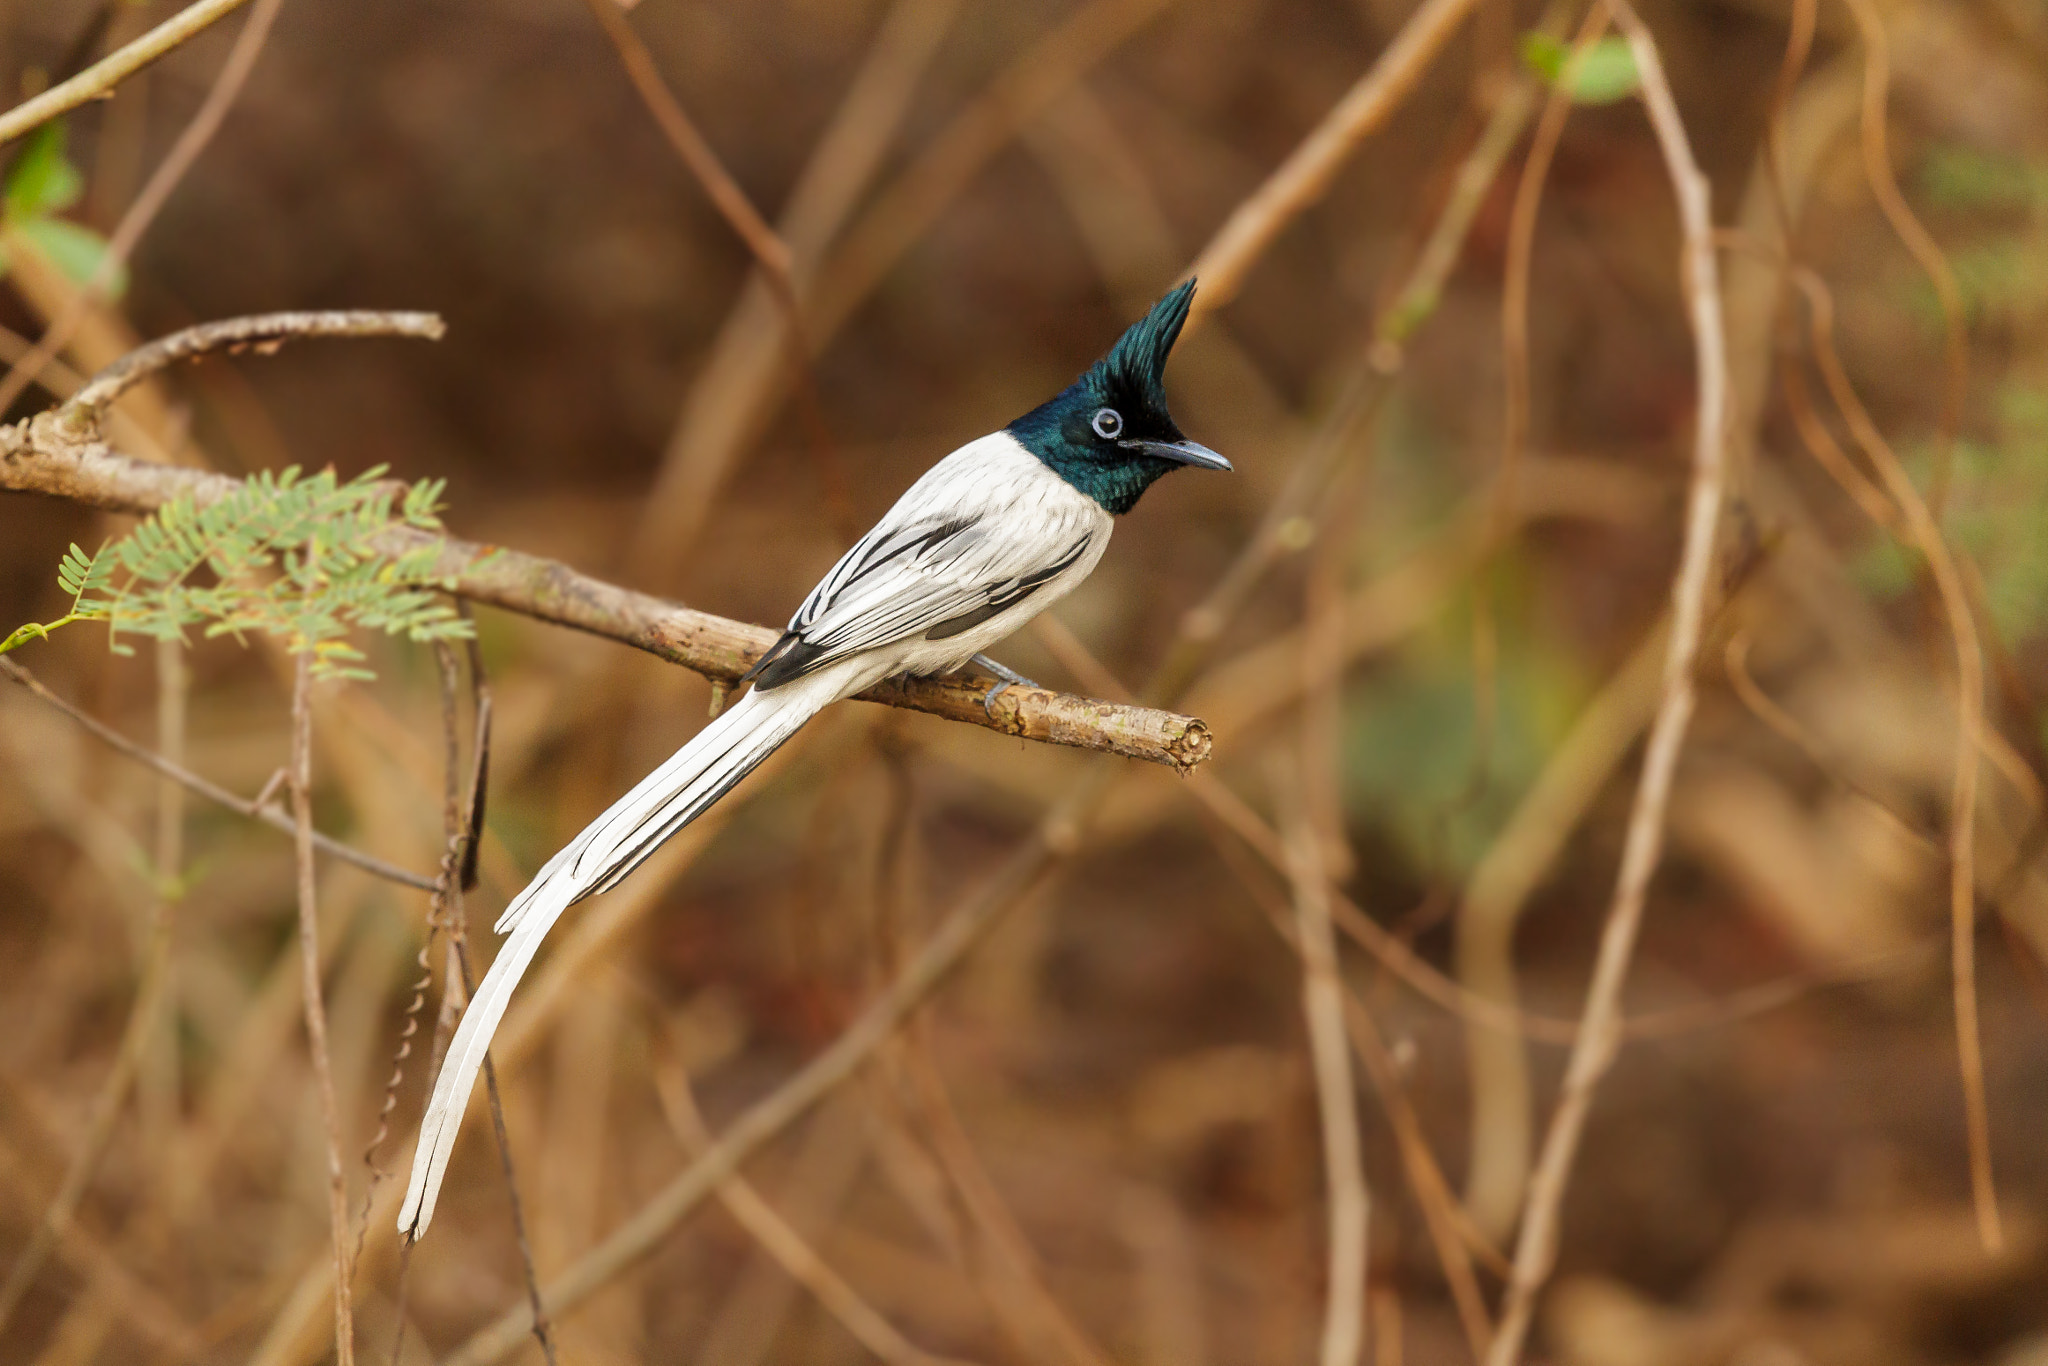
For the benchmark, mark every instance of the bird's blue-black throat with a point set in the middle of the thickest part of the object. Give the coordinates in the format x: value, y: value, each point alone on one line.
x: 1069, y: 434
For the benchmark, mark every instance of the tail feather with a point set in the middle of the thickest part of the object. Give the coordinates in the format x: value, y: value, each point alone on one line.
x: 613, y: 845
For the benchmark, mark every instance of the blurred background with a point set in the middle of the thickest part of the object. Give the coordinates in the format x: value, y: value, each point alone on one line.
x: 1100, y: 1142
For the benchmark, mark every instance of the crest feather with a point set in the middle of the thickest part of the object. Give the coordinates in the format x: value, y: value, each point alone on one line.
x: 1135, y: 368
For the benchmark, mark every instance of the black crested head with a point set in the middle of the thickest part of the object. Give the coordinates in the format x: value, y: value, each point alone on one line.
x: 1109, y: 433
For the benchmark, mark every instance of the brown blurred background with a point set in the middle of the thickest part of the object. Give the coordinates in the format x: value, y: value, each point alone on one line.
x: 1101, y: 1141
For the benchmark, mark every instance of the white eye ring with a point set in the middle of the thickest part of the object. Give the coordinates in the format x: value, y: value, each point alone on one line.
x: 1108, y: 423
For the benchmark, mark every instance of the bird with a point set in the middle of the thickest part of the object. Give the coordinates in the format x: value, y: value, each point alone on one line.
x: 988, y: 538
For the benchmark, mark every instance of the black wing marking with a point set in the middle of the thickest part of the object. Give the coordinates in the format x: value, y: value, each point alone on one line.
x: 874, y: 551
x: 1002, y: 597
x: 902, y: 572
x: 788, y: 658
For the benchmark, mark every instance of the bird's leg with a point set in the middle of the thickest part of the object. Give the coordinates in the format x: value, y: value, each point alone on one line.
x: 1007, y: 677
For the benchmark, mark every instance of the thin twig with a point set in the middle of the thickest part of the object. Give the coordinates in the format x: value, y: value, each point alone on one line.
x: 316, y: 1011
x: 1322, y: 996
x: 1039, y: 1321
x: 153, y: 989
x: 682, y: 133
x: 98, y: 80
x: 461, y: 821
x: 1450, y: 1229
x: 234, y: 73
x: 1925, y: 534
x: 1442, y: 1215
x: 728, y: 400
x: 262, y: 809
x: 1304, y: 178
x: 1521, y: 249
x: 1765, y: 708
x: 1470, y: 185
x: 780, y: 1240
x: 1877, y: 168
x: 263, y: 331
x: 927, y: 969
x: 1599, y: 1032
x: 768, y: 249
x: 1514, y: 329
x: 909, y: 205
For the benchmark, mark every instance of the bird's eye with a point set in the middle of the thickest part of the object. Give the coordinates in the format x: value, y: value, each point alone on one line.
x: 1108, y: 423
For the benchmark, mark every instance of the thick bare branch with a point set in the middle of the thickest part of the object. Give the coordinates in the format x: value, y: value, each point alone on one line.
x: 42, y: 456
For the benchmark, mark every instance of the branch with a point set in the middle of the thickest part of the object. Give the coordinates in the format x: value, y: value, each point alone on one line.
x: 316, y: 1010
x: 267, y: 812
x: 41, y: 456
x: 1322, y: 995
x: 691, y: 145
x: 98, y: 80
x: 1600, y: 1029
x: 227, y: 85
x: 1304, y: 178
x: 264, y: 331
x: 780, y: 1240
x: 1922, y: 529
x: 152, y: 991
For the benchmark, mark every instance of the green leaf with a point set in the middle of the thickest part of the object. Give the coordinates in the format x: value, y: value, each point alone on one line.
x: 1605, y: 74
x: 43, y: 181
x: 1965, y: 178
x: 73, y: 249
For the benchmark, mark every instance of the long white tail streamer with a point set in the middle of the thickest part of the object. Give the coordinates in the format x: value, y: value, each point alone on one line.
x: 610, y: 847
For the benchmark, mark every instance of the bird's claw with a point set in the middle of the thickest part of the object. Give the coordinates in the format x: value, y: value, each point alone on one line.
x: 988, y: 699
x: 1006, y: 676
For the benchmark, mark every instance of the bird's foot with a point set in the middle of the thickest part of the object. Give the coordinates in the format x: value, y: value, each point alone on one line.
x: 1006, y: 678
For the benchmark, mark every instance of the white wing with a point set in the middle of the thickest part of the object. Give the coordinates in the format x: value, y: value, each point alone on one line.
x: 985, y: 529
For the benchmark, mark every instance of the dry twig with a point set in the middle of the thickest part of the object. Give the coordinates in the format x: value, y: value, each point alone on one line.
x: 234, y: 73
x: 316, y: 1011
x: 138, y: 1036
x: 927, y: 968
x: 1599, y: 1031
x: 1304, y: 178
x: 263, y: 331
x: 98, y: 81
x: 1925, y: 534
x: 1877, y: 168
x: 780, y: 1240
x: 264, y: 810
x: 1337, y: 1099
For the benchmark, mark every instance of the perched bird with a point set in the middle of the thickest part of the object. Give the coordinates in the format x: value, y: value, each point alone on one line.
x: 990, y: 537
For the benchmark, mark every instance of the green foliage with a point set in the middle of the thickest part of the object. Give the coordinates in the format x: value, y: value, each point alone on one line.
x: 1965, y: 178
x: 1998, y: 516
x: 1606, y: 73
x: 42, y: 184
x: 1413, y: 759
x: 43, y: 181
x: 1997, y: 513
x: 283, y: 556
x: 2003, y: 274
x: 2003, y: 278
